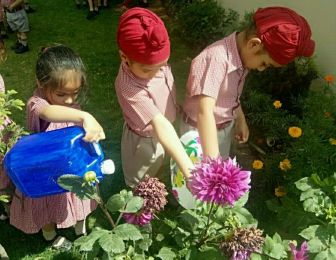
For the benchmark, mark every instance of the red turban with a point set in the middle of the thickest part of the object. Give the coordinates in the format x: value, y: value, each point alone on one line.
x: 143, y: 37
x: 284, y: 33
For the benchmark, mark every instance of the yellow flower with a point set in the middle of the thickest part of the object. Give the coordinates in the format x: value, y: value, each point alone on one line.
x: 279, y: 191
x: 332, y: 141
x: 329, y: 78
x: 257, y: 164
x: 277, y: 104
x: 295, y: 131
x: 285, y: 165
x: 327, y: 114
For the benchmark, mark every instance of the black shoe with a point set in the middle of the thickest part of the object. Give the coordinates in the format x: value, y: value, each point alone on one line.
x: 91, y: 15
x: 15, y: 46
x: 21, y: 49
x: 29, y: 9
x: 78, y: 5
x: 4, y: 36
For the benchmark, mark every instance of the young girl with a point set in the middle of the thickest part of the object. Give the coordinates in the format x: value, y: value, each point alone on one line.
x: 60, y: 77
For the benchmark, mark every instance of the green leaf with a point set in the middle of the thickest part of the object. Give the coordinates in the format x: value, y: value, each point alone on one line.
x: 274, y: 249
x: 303, y: 184
x: 115, y: 203
x: 134, y: 205
x: 205, y: 253
x: 145, y: 243
x: 189, y: 220
x: 159, y: 237
x: 244, y: 216
x: 242, y: 201
x: 85, y: 243
x: 315, y: 245
x: 74, y: 183
x: 166, y: 253
x: 112, y: 243
x: 310, y: 232
x: 128, y: 232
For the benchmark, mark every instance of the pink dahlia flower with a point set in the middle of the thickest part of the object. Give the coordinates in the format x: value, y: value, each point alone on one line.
x: 140, y: 218
x: 301, y: 254
x: 220, y: 181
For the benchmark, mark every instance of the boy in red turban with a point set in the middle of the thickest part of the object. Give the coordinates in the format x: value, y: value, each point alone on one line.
x: 276, y: 37
x: 146, y: 93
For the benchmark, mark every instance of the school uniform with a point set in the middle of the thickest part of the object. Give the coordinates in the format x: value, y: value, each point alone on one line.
x: 216, y: 72
x: 141, y: 100
x: 65, y: 209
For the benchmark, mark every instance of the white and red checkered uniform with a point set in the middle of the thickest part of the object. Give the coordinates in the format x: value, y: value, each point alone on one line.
x: 216, y: 72
x: 65, y: 209
x: 141, y: 100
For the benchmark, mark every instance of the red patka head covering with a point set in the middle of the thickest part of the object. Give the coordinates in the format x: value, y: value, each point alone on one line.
x: 143, y: 37
x: 285, y: 34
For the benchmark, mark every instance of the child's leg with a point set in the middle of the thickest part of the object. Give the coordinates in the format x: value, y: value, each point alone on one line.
x: 49, y: 231
x: 80, y: 227
x: 23, y: 38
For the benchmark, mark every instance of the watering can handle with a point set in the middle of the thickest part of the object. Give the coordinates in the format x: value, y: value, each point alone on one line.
x: 96, y: 149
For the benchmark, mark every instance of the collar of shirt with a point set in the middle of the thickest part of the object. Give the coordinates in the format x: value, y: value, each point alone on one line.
x: 234, y: 60
x: 140, y: 82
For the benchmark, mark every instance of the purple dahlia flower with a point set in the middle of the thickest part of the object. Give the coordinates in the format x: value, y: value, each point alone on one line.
x: 140, y: 218
x: 220, y: 181
x: 301, y: 254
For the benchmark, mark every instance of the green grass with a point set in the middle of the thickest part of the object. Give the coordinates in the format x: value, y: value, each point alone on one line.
x: 60, y: 22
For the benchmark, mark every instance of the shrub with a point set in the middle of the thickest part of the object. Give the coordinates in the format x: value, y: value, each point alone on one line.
x: 203, y: 22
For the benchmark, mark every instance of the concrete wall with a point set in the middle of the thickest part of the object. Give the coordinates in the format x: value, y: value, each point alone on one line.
x: 320, y: 14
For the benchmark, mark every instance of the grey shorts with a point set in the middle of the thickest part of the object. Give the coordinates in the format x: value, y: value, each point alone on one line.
x: 140, y: 156
x: 18, y: 21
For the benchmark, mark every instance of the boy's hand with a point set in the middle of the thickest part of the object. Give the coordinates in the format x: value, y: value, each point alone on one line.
x: 94, y: 131
x: 241, y: 131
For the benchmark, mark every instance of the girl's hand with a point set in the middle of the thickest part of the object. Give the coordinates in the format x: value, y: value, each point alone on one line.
x: 94, y: 131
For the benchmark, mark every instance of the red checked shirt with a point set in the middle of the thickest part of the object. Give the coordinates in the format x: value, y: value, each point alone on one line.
x: 141, y: 100
x: 216, y: 72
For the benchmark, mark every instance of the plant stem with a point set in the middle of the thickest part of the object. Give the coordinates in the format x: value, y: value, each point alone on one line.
x: 102, y: 206
x: 205, y: 231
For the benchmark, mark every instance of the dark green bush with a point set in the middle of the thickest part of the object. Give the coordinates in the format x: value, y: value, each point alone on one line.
x: 286, y: 84
x: 200, y: 23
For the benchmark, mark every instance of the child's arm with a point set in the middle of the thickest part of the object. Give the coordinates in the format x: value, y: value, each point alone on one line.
x: 241, y: 127
x: 15, y: 4
x: 206, y: 125
x: 168, y: 138
x: 55, y: 113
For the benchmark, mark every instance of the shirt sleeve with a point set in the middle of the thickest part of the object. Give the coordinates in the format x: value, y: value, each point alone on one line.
x: 206, y: 76
x: 34, y: 107
x: 138, y: 107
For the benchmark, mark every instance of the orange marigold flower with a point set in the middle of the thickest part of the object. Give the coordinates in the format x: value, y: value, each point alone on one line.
x: 257, y: 164
x: 279, y: 191
x: 332, y: 141
x: 277, y: 104
x: 329, y: 78
x: 295, y: 131
x: 285, y: 165
x: 327, y: 114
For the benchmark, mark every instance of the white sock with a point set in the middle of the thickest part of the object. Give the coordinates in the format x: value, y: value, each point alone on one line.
x: 80, y: 228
